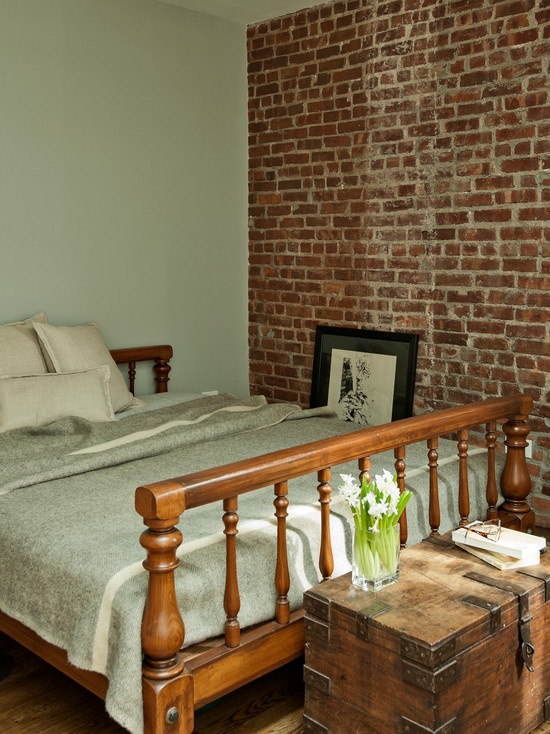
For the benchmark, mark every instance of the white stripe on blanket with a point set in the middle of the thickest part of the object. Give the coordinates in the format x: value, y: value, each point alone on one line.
x: 99, y: 656
x: 100, y: 651
x: 141, y: 435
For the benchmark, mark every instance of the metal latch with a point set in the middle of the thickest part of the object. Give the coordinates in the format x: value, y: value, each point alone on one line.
x: 527, y: 648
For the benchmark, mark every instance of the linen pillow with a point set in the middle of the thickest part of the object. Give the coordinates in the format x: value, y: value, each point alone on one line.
x: 74, y: 348
x: 36, y: 400
x: 20, y: 352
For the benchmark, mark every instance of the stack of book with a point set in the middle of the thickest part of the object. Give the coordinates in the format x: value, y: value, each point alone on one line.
x: 513, y: 549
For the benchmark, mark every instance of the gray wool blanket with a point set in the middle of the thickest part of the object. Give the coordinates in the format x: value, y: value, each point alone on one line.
x: 70, y: 560
x: 73, y: 446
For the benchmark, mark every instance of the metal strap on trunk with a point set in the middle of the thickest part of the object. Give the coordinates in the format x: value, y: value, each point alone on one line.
x: 527, y: 647
x: 538, y: 573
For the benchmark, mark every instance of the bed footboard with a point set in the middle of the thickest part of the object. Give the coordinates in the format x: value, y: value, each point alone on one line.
x: 176, y: 682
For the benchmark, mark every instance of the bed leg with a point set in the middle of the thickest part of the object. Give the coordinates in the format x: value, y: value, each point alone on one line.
x: 168, y: 705
x: 515, y: 482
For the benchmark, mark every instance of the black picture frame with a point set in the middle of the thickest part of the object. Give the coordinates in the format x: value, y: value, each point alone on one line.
x: 377, y: 357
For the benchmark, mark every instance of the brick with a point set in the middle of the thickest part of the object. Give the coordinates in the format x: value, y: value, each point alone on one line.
x: 478, y: 78
x: 534, y: 213
x: 519, y: 38
x: 492, y: 215
x: 516, y: 196
x: 520, y: 164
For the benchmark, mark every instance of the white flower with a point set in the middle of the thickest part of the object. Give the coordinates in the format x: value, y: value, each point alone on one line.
x: 350, y: 490
x: 376, y: 505
x: 378, y: 509
x: 349, y: 480
x: 392, y: 505
x: 370, y: 498
x: 387, y: 485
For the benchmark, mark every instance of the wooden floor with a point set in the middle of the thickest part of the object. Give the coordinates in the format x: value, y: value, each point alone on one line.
x: 36, y: 699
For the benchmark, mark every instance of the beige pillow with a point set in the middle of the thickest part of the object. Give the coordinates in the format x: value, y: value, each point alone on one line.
x: 72, y: 348
x: 36, y: 400
x: 20, y: 352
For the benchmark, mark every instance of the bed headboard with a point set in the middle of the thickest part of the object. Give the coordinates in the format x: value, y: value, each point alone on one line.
x: 160, y: 354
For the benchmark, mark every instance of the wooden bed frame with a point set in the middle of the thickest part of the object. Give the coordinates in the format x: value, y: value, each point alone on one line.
x: 176, y: 682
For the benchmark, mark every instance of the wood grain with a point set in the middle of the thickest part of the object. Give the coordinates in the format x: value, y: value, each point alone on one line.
x: 36, y: 699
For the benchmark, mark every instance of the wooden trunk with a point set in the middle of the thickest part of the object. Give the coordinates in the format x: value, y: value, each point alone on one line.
x: 446, y: 649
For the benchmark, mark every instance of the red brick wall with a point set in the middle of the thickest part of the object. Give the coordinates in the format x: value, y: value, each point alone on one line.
x: 400, y: 181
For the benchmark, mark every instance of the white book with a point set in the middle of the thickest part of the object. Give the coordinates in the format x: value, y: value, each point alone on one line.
x: 510, y: 543
x: 531, y: 558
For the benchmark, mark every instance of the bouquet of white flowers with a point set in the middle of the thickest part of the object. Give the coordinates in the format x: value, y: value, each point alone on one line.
x: 376, y: 507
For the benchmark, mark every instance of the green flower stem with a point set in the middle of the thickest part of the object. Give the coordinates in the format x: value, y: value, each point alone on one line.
x: 376, y: 553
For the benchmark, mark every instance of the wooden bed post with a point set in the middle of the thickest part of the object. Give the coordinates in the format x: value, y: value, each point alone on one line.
x: 162, y: 370
x: 515, y: 482
x: 168, y: 695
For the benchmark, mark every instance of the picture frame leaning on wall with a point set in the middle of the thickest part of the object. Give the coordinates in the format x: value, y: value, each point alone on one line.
x: 364, y: 376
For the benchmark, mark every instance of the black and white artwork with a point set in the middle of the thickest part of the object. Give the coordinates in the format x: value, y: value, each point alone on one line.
x: 361, y: 386
x: 365, y: 376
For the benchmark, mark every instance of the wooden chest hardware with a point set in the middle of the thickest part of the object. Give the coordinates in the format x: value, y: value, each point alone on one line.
x: 454, y: 647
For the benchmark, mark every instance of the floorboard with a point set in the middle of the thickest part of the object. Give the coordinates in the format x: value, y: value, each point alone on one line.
x: 37, y: 699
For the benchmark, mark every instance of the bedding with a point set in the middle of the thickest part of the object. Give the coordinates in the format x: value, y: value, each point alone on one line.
x: 37, y: 400
x: 76, y: 496
x: 20, y: 352
x: 159, y: 400
x: 70, y: 348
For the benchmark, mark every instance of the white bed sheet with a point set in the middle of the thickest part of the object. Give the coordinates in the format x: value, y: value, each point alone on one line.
x: 154, y: 401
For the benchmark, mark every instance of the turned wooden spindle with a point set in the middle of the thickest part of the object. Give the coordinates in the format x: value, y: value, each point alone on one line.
x: 282, y: 575
x: 434, y: 512
x: 463, y: 489
x: 326, y: 559
x: 231, y: 599
x: 161, y: 370
x: 162, y: 629
x: 491, y: 493
x: 364, y: 469
x: 132, y: 376
x: 400, y: 466
x: 515, y: 482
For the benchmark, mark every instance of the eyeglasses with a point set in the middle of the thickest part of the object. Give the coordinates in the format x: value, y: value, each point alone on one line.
x: 489, y: 529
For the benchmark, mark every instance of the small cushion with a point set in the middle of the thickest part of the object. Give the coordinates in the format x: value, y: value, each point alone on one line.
x: 73, y: 348
x: 20, y: 352
x: 36, y: 400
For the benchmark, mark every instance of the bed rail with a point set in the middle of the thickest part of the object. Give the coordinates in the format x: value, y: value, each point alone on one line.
x: 161, y: 504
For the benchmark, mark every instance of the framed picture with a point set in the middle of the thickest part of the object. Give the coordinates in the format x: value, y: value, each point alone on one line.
x: 364, y: 376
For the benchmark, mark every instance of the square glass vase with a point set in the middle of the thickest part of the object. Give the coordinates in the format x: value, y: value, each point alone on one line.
x: 375, y: 558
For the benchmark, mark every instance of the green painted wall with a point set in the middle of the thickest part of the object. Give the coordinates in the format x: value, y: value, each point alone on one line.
x: 123, y: 178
